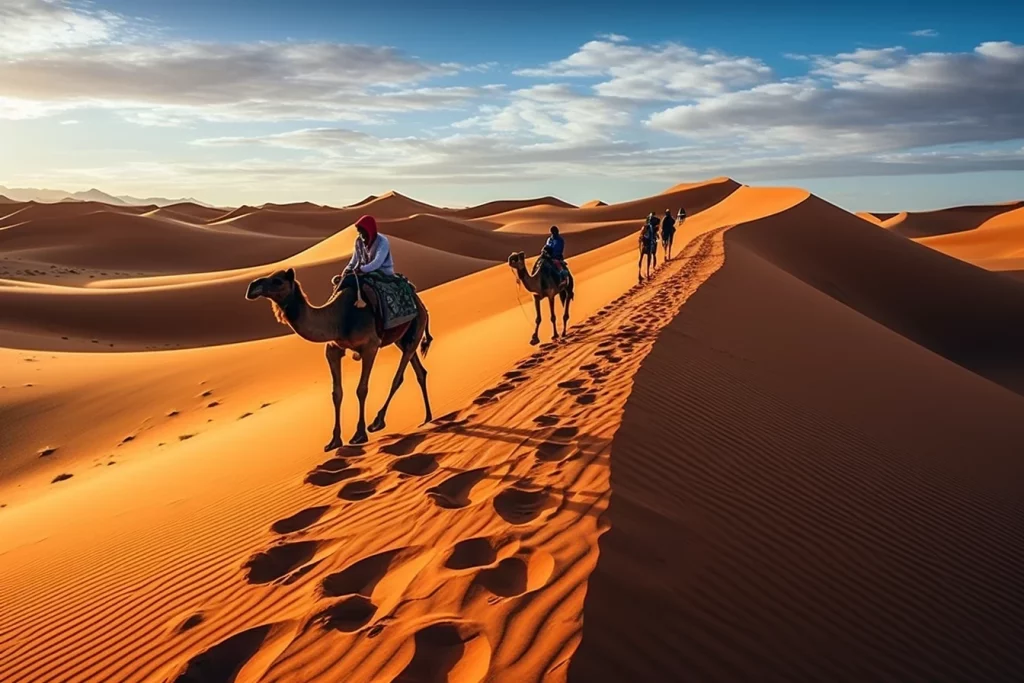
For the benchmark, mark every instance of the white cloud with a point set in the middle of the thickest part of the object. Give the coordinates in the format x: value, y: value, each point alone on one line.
x: 663, y: 72
x: 925, y: 33
x: 554, y: 111
x: 69, y: 122
x: 89, y: 64
x: 31, y: 26
x: 871, y: 101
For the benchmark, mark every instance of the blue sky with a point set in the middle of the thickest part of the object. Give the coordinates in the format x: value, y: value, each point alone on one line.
x: 871, y: 105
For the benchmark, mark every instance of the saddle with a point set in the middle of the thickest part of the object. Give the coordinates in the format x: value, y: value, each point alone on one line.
x: 391, y: 299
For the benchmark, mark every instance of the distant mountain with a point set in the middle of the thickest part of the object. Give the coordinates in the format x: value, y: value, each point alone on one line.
x: 30, y: 194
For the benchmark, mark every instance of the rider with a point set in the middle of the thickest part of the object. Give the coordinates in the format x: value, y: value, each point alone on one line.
x: 372, y: 251
x: 555, y: 249
x: 682, y: 215
x: 668, y: 224
x: 651, y: 227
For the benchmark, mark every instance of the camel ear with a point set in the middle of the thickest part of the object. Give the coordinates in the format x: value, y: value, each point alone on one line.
x: 290, y: 274
x: 522, y: 256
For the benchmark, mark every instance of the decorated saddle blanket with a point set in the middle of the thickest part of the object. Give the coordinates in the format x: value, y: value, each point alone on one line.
x: 396, y: 297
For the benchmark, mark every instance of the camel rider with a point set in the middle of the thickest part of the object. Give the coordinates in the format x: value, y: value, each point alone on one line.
x: 651, y: 228
x: 372, y: 252
x: 555, y: 249
x: 682, y: 216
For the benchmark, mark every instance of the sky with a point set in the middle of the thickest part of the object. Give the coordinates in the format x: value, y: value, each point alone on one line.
x: 873, y: 106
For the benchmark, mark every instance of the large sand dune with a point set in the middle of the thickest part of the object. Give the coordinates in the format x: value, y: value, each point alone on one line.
x: 790, y: 456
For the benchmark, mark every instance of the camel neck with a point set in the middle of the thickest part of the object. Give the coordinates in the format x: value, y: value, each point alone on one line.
x: 295, y: 306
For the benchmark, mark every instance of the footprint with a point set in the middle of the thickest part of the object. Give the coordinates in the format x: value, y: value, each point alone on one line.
x: 590, y: 366
x: 522, y: 506
x: 300, y: 520
x: 448, y: 651
x: 567, y: 432
x: 347, y: 615
x: 357, y: 490
x: 514, y: 374
x: 547, y: 420
x: 244, y: 415
x: 213, y: 404
x: 360, y: 578
x: 417, y: 465
x: 275, y: 562
x: 552, y: 451
x: 333, y: 465
x: 473, y: 552
x: 61, y: 477
x: 453, y: 492
x: 173, y: 413
x: 514, y: 576
x: 185, y: 437
x: 324, y: 478
x: 223, y: 661
x: 405, y: 445
x: 47, y: 451
x: 190, y: 623
x: 586, y: 399
x: 572, y: 384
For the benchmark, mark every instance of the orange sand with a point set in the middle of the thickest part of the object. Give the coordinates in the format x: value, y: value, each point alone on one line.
x: 790, y: 456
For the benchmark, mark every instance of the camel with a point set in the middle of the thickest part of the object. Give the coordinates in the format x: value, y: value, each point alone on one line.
x: 544, y: 283
x: 340, y: 324
x: 648, y: 247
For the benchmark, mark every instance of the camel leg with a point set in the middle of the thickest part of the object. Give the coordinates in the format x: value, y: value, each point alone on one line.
x: 368, y: 354
x: 334, y: 355
x: 566, y: 300
x: 640, y: 267
x: 536, y: 329
x: 408, y: 351
x: 554, y: 321
x: 421, y: 377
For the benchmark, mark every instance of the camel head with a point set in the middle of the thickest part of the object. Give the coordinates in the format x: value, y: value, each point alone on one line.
x: 277, y: 287
x: 517, y: 259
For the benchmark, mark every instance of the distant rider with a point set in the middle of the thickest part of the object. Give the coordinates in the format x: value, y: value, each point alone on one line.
x: 555, y: 249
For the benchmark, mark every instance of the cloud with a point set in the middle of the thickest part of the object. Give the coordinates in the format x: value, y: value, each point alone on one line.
x: 69, y: 122
x: 91, y: 63
x: 925, y: 33
x: 554, y: 111
x: 664, y: 72
x: 32, y: 26
x: 871, y: 101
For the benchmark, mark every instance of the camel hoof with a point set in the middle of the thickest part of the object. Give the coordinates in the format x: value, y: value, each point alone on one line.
x: 334, y: 445
x: 535, y: 341
x: 358, y: 439
x: 377, y: 425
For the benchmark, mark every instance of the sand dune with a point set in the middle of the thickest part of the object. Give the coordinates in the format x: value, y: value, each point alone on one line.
x: 802, y: 484
x: 593, y: 204
x: 943, y: 221
x: 504, y: 206
x: 812, y: 424
x: 996, y: 244
x: 145, y: 243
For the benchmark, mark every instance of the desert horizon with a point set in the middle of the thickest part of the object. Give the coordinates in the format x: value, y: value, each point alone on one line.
x: 511, y: 343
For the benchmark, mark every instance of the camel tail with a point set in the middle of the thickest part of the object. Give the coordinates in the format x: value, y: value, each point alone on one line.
x: 427, y: 340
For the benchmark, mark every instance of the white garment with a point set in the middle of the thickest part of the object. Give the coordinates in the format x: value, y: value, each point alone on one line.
x: 376, y: 257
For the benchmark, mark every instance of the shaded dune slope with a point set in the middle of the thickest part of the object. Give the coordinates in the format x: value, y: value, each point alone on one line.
x: 778, y: 513
x: 971, y: 316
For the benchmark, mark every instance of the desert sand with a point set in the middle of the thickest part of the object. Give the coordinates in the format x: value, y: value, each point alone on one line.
x: 792, y: 455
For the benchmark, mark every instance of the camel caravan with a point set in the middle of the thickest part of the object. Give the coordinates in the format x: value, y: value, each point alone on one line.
x: 372, y: 307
